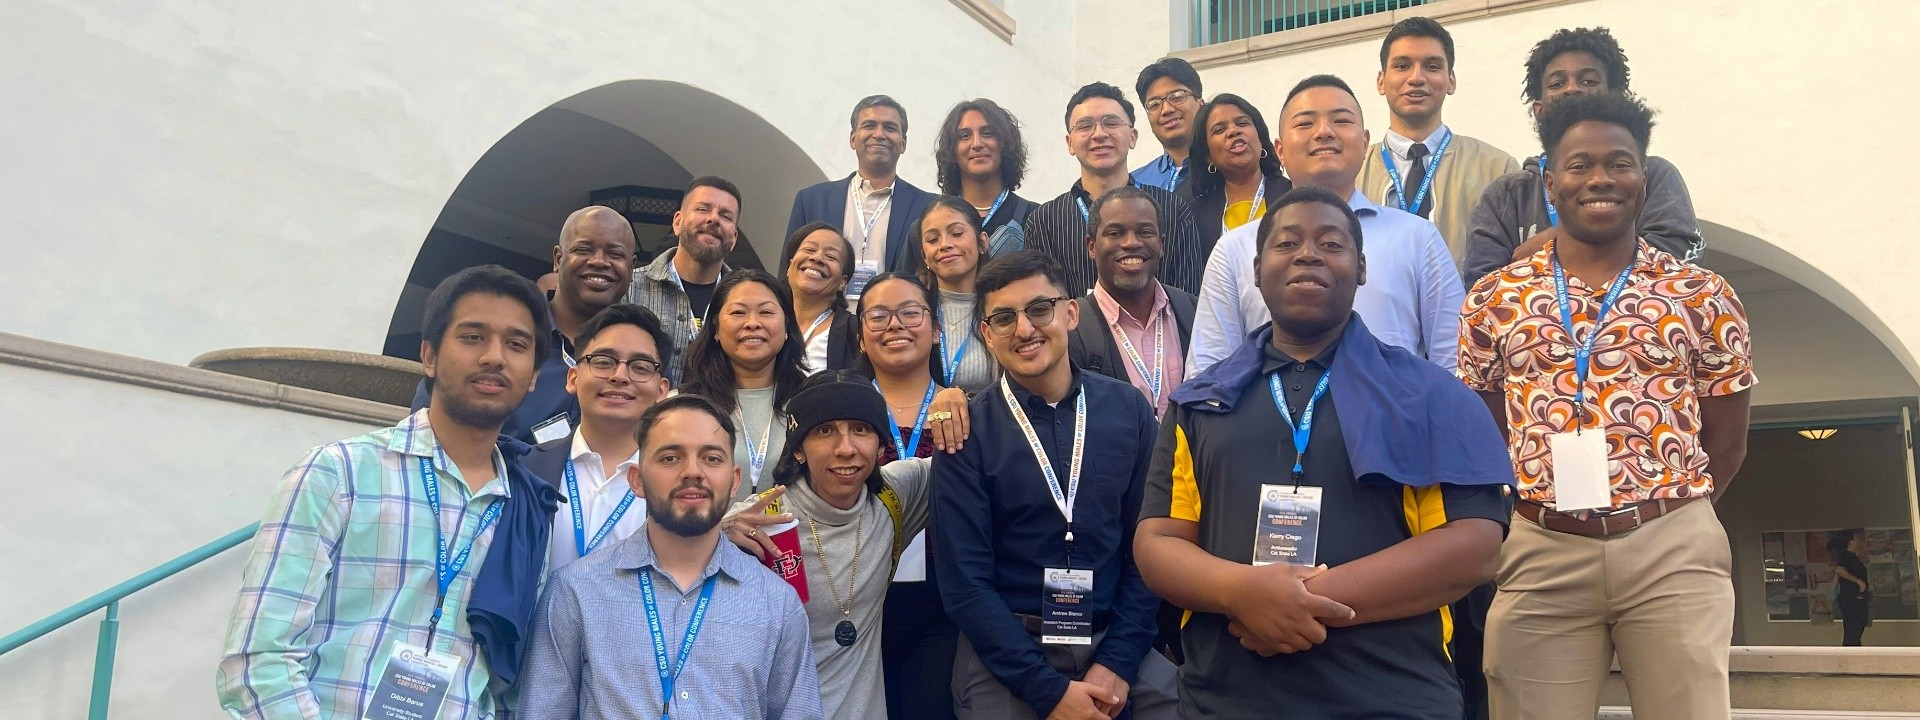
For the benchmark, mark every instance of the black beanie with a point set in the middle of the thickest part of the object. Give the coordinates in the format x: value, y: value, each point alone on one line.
x: 837, y: 400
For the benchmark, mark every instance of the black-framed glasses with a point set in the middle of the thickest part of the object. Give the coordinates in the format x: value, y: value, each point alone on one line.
x: 1038, y: 312
x: 911, y: 316
x: 1176, y: 97
x: 638, y: 369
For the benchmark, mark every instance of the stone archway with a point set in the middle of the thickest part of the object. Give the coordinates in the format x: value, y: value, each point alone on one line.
x: 648, y: 133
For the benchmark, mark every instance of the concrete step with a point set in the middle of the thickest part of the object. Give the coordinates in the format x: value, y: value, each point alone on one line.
x: 1810, y: 682
x: 1615, y: 712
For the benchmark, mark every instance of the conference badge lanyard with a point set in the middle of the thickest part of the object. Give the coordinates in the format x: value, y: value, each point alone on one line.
x: 991, y: 211
x: 1157, y: 375
x: 580, y: 542
x: 1173, y: 182
x: 1287, y: 529
x: 693, y: 318
x: 868, y: 267
x: 1255, y: 207
x: 1065, y: 617
x: 1426, y: 183
x: 1553, y: 214
x: 415, y: 682
x: 952, y: 364
x: 756, y: 456
x: 1086, y: 213
x: 1580, y: 477
x: 910, y: 448
x: 807, y: 336
x: 669, y: 675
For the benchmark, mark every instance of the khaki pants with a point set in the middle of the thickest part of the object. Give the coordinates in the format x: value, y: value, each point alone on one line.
x: 1660, y: 597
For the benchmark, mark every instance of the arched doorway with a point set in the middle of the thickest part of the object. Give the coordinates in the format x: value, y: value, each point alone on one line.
x: 1829, y: 450
x: 653, y: 135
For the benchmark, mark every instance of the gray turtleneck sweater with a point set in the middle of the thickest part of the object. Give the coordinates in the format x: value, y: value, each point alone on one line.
x: 852, y: 682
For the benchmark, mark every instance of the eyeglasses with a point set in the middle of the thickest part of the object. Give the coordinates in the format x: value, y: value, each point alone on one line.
x: 911, y: 316
x: 1110, y: 123
x: 638, y: 369
x: 1177, y: 97
x: 1038, y: 312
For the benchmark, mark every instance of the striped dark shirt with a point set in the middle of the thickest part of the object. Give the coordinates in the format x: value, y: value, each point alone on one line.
x: 1058, y: 229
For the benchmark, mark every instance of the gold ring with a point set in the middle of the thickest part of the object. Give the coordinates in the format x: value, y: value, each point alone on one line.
x: 752, y: 532
x: 941, y: 416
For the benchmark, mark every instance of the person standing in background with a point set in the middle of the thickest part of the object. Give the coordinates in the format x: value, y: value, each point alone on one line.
x: 678, y: 285
x: 873, y: 206
x: 982, y: 159
x: 1169, y: 90
x: 1852, y: 597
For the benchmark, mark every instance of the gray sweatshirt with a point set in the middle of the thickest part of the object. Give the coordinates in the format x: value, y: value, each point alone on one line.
x: 1514, y: 208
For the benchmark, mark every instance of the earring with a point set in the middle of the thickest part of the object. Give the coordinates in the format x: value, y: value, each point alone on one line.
x: 1263, y: 153
x: 1211, y: 169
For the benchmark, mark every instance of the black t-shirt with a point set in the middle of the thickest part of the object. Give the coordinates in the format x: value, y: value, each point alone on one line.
x: 698, y: 296
x: 1208, y: 468
x: 1850, y: 561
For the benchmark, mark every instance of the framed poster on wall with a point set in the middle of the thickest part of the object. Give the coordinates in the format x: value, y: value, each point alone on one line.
x: 1799, y: 574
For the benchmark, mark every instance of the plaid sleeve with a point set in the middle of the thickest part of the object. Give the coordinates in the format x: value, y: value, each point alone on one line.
x: 1724, y: 363
x: 263, y: 671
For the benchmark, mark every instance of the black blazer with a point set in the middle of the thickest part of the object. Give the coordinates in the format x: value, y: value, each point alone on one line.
x: 841, y: 341
x: 1207, y: 210
x: 548, y: 461
x: 827, y: 202
x: 1092, y: 347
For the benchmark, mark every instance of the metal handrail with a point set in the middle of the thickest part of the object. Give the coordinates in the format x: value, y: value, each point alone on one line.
x: 110, y: 625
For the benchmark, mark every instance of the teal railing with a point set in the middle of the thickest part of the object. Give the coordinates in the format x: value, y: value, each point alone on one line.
x: 1218, y: 21
x: 110, y: 625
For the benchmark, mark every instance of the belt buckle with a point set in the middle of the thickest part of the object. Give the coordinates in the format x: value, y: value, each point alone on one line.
x: 1606, y: 528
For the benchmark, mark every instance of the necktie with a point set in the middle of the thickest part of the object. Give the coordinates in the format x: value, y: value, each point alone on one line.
x: 1416, y: 175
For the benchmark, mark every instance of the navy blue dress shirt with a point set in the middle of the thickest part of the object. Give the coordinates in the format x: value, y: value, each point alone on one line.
x: 995, y: 528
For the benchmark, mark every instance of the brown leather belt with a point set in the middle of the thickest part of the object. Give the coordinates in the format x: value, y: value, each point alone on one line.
x: 1615, y: 522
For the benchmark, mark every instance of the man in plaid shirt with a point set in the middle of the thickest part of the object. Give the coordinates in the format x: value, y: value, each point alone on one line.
x: 361, y: 549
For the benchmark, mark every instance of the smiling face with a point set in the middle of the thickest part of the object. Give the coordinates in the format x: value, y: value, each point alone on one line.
x: 484, y: 365
x: 951, y: 246
x: 1417, y: 78
x: 706, y: 224
x: 1099, y: 134
x: 1029, y: 352
x: 1598, y: 182
x: 686, y: 473
x: 819, y: 267
x: 895, y: 348
x: 1172, y: 122
x: 1308, y: 268
x: 1322, y: 142
x: 593, y: 263
x: 620, y: 399
x: 1126, y: 245
x: 1233, y: 143
x: 751, y: 327
x: 879, y: 137
x: 976, y: 146
x: 1571, y: 73
x: 840, y: 455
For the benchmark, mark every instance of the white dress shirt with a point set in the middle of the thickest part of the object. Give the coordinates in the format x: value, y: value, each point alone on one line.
x: 1412, y: 296
x: 1398, y: 145
x: 599, y: 495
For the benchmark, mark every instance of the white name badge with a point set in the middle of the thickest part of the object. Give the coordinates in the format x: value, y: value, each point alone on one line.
x: 862, y: 274
x: 913, y: 561
x: 1065, y: 618
x: 414, y: 685
x: 1288, y: 527
x: 1580, y: 477
x: 551, y: 429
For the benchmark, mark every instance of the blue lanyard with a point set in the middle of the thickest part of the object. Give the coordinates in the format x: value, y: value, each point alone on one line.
x: 1303, y: 430
x: 909, y: 449
x: 996, y: 207
x: 1583, y: 352
x: 1155, y: 377
x: 580, y: 543
x: 1086, y: 215
x: 1173, y: 182
x: 446, y: 569
x: 951, y: 365
x: 1426, y: 183
x: 756, y: 457
x: 669, y: 676
x: 1553, y: 215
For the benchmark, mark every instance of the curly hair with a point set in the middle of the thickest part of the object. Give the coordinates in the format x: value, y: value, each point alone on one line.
x: 1597, y: 42
x: 1625, y: 111
x: 1005, y: 128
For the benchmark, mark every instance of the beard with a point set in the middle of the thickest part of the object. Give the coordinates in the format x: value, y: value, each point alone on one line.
x: 699, y: 251
x: 693, y: 523
x: 463, y: 410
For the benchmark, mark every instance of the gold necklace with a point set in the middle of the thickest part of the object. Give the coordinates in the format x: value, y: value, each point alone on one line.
x: 843, y: 633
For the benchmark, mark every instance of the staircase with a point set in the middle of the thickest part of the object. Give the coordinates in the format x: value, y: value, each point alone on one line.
x: 1804, y: 683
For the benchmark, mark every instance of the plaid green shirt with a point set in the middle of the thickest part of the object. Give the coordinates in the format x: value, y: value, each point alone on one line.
x: 343, y: 568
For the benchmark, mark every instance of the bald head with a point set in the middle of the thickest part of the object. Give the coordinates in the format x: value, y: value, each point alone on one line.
x: 594, y: 259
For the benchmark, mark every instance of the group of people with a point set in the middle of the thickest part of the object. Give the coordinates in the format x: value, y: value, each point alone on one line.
x: 1417, y: 431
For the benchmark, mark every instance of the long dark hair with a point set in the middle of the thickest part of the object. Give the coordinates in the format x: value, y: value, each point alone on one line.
x: 1207, y: 179
x: 860, y: 361
x: 710, y: 373
x: 958, y: 205
x: 1006, y: 129
x: 789, y: 470
x: 846, y: 260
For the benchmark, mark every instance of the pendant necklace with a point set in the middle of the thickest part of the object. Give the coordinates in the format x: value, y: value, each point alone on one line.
x: 843, y: 633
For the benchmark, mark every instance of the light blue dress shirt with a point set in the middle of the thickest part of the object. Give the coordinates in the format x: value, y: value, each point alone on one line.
x: 1160, y: 173
x: 1412, y: 296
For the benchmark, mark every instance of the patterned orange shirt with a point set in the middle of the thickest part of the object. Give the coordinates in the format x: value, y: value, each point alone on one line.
x: 1677, y: 333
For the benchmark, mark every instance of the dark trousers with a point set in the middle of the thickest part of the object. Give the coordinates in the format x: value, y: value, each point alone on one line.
x: 916, y: 650
x: 1853, y: 618
x: 1469, y: 640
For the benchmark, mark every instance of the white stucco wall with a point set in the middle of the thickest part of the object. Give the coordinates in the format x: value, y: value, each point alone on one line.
x: 194, y: 175
x: 1773, y: 111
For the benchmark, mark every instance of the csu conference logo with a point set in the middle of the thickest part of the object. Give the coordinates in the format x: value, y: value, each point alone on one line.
x: 1056, y: 577
x: 1273, y: 496
x: 406, y: 656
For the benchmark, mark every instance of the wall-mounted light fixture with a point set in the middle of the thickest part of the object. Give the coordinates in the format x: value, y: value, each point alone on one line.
x: 1818, y: 433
